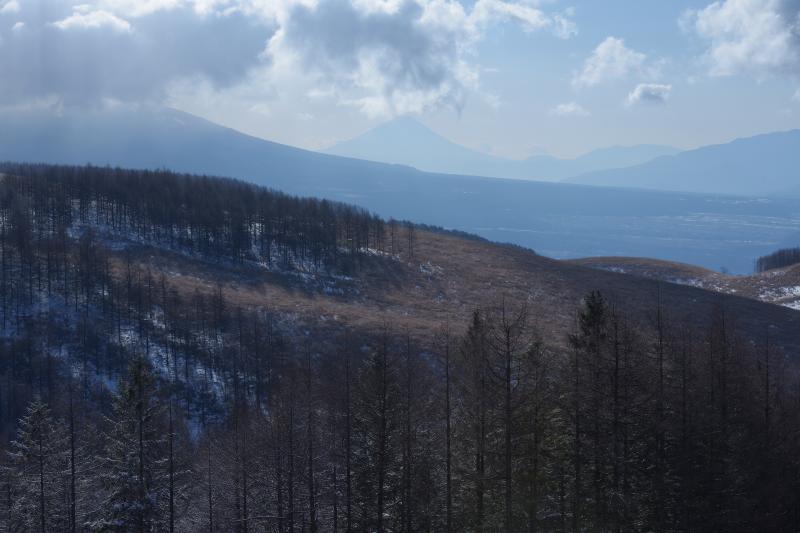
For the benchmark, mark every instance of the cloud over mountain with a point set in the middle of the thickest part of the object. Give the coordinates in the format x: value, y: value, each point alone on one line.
x: 380, y: 56
x: 401, y: 56
x: 123, y: 51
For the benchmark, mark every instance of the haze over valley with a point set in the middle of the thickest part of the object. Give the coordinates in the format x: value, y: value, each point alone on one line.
x: 554, y: 219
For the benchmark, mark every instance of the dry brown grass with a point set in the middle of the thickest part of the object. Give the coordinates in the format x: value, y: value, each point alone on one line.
x: 778, y: 286
x: 647, y: 267
x: 449, y: 277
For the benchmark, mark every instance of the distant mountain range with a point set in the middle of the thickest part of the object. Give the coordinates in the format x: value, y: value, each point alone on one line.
x: 167, y: 138
x: 766, y: 164
x: 406, y: 141
x: 555, y: 219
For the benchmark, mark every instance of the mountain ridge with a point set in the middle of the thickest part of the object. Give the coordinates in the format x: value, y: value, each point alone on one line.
x: 757, y: 165
x: 405, y: 140
x: 556, y: 219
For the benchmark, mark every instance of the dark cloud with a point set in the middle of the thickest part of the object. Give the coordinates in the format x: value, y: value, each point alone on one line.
x: 388, y: 52
x: 402, y: 56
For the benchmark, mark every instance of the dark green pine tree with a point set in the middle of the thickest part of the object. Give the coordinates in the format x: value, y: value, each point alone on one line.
x: 135, y: 468
x: 589, y: 345
x: 39, y: 471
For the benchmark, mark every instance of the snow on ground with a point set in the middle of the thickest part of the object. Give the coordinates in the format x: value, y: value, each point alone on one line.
x: 779, y: 286
x: 429, y: 269
x: 273, y: 258
x: 780, y: 293
x: 691, y: 282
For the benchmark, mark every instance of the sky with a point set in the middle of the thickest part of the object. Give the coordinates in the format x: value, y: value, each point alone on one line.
x: 509, y: 77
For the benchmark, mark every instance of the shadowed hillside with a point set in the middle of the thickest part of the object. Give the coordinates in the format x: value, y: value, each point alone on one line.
x: 780, y: 285
x: 273, y: 361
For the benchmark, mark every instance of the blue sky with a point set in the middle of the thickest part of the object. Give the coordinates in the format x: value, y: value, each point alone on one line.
x: 510, y: 77
x: 534, y: 74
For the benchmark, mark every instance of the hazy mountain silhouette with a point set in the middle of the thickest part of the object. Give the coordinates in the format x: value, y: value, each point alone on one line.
x: 764, y: 164
x: 405, y: 141
x: 556, y: 219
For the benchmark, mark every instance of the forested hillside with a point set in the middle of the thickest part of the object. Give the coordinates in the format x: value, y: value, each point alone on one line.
x: 778, y: 259
x: 196, y: 354
x: 210, y: 217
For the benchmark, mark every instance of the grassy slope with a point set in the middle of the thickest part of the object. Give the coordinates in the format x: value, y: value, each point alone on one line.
x: 779, y: 286
x: 449, y: 276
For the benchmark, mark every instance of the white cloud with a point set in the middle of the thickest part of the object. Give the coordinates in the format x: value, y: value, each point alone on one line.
x: 392, y: 57
x: 571, y: 109
x: 138, y: 8
x: 485, y: 12
x: 12, y: 6
x: 83, y: 54
x: 141, y: 8
x: 611, y: 59
x: 18, y: 26
x: 754, y: 36
x: 384, y: 57
x: 563, y: 26
x: 85, y: 18
x: 649, y: 93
